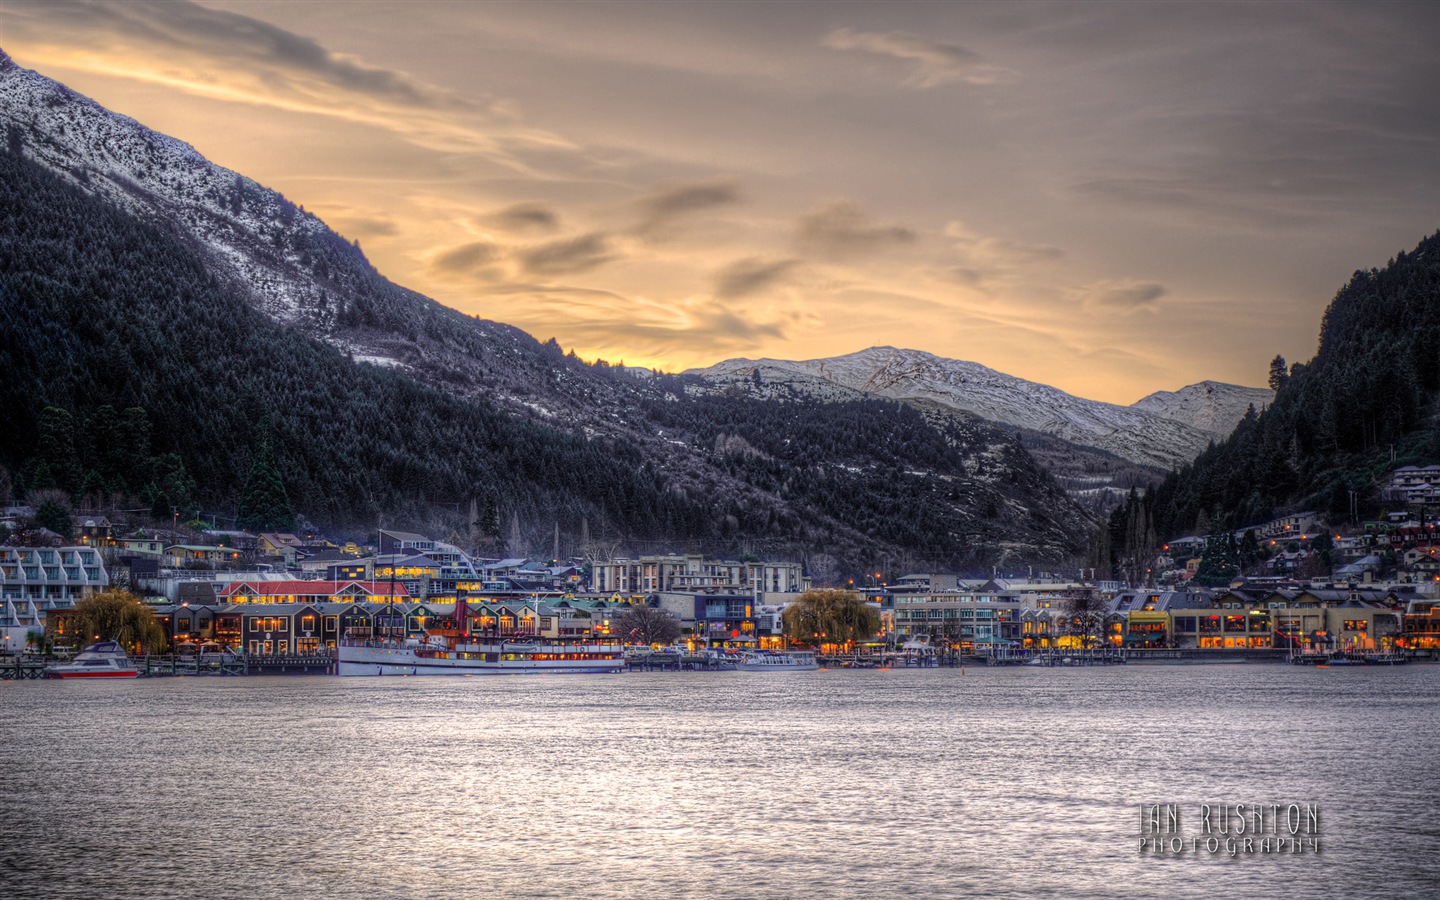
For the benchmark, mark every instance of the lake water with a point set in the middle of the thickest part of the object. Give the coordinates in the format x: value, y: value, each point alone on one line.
x: 987, y: 783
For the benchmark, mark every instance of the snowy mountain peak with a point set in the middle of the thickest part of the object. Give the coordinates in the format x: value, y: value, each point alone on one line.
x: 1211, y: 406
x: 1165, y: 429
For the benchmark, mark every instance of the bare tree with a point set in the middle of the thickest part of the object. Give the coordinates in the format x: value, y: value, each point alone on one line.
x: 1084, y: 618
x: 648, y: 625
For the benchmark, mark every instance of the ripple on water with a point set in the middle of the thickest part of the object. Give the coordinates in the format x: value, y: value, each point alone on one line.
x: 995, y: 782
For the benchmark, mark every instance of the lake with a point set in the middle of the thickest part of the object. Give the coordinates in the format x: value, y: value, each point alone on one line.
x: 1005, y: 782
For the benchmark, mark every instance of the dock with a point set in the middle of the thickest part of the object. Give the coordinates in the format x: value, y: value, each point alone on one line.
x: 22, y: 667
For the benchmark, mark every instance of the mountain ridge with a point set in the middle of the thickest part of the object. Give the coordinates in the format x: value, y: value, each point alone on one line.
x: 1163, y: 430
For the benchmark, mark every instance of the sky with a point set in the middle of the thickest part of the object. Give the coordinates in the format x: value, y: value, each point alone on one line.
x: 1110, y: 198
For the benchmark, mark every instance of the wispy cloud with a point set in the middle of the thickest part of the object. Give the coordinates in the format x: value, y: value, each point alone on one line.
x: 524, y: 217
x: 643, y: 329
x: 668, y: 204
x: 288, y: 61
x: 748, y: 276
x: 842, y: 231
x: 935, y: 62
x: 568, y: 256
x: 227, y: 56
x: 1123, y: 295
x: 464, y: 259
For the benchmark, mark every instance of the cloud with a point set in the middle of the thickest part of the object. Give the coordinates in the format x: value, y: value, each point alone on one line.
x: 664, y: 206
x: 841, y: 230
x: 357, y: 222
x: 750, y: 275
x: 936, y: 63
x: 961, y: 275
x: 217, y: 34
x: 612, y: 326
x: 568, y: 256
x: 1123, y: 295
x: 234, y: 58
x: 523, y: 217
x: 983, y: 250
x: 464, y: 259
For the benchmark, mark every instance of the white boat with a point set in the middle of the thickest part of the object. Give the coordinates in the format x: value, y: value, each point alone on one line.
x: 918, y: 652
x: 438, y: 655
x: 788, y: 661
x: 106, y: 659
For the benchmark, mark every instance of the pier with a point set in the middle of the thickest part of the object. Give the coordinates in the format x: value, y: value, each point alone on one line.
x: 675, y: 662
x: 22, y: 667
x: 164, y: 665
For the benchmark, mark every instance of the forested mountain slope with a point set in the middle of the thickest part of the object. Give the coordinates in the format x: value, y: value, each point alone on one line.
x: 1365, y: 404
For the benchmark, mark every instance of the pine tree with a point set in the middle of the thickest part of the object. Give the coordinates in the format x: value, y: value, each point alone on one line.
x: 57, y: 448
x: 264, y: 505
x: 1221, y: 563
x: 1278, y: 373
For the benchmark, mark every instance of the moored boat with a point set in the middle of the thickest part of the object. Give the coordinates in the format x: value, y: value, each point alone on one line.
x: 787, y: 661
x: 105, y: 659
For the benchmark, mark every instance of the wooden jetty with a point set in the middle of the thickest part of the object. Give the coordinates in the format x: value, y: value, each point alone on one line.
x: 22, y: 667
x: 675, y: 662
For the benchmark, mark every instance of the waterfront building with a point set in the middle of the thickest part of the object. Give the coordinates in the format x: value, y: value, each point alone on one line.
x: 290, y: 591
x: 1147, y: 618
x: 37, y: 582
x: 714, y: 619
x: 1310, y: 619
x: 276, y: 629
x: 1421, y: 624
x: 185, y: 623
x: 972, y: 622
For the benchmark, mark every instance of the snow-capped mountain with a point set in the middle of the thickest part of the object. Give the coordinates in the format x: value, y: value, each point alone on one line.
x: 1210, y: 406
x: 285, y: 261
x: 247, y: 230
x: 1164, y: 429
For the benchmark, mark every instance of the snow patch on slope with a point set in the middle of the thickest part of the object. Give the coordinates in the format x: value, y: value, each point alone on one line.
x: 243, y: 227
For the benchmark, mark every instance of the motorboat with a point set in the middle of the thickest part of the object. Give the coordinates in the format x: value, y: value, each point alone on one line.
x: 105, y: 659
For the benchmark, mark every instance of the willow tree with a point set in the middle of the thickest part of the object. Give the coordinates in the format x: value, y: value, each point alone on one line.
x: 830, y: 617
x: 118, y: 615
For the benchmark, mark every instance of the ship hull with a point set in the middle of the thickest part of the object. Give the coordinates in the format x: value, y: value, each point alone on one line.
x: 354, y: 661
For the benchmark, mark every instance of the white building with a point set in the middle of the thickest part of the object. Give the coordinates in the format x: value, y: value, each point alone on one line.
x: 18, y: 620
x: 50, y: 573
x: 764, y: 581
x: 34, y: 580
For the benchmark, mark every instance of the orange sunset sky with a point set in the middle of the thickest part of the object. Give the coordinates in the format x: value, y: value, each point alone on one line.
x: 1113, y: 199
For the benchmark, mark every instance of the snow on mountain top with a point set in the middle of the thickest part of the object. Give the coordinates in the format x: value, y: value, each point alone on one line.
x: 1211, y: 406
x: 1164, y: 429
